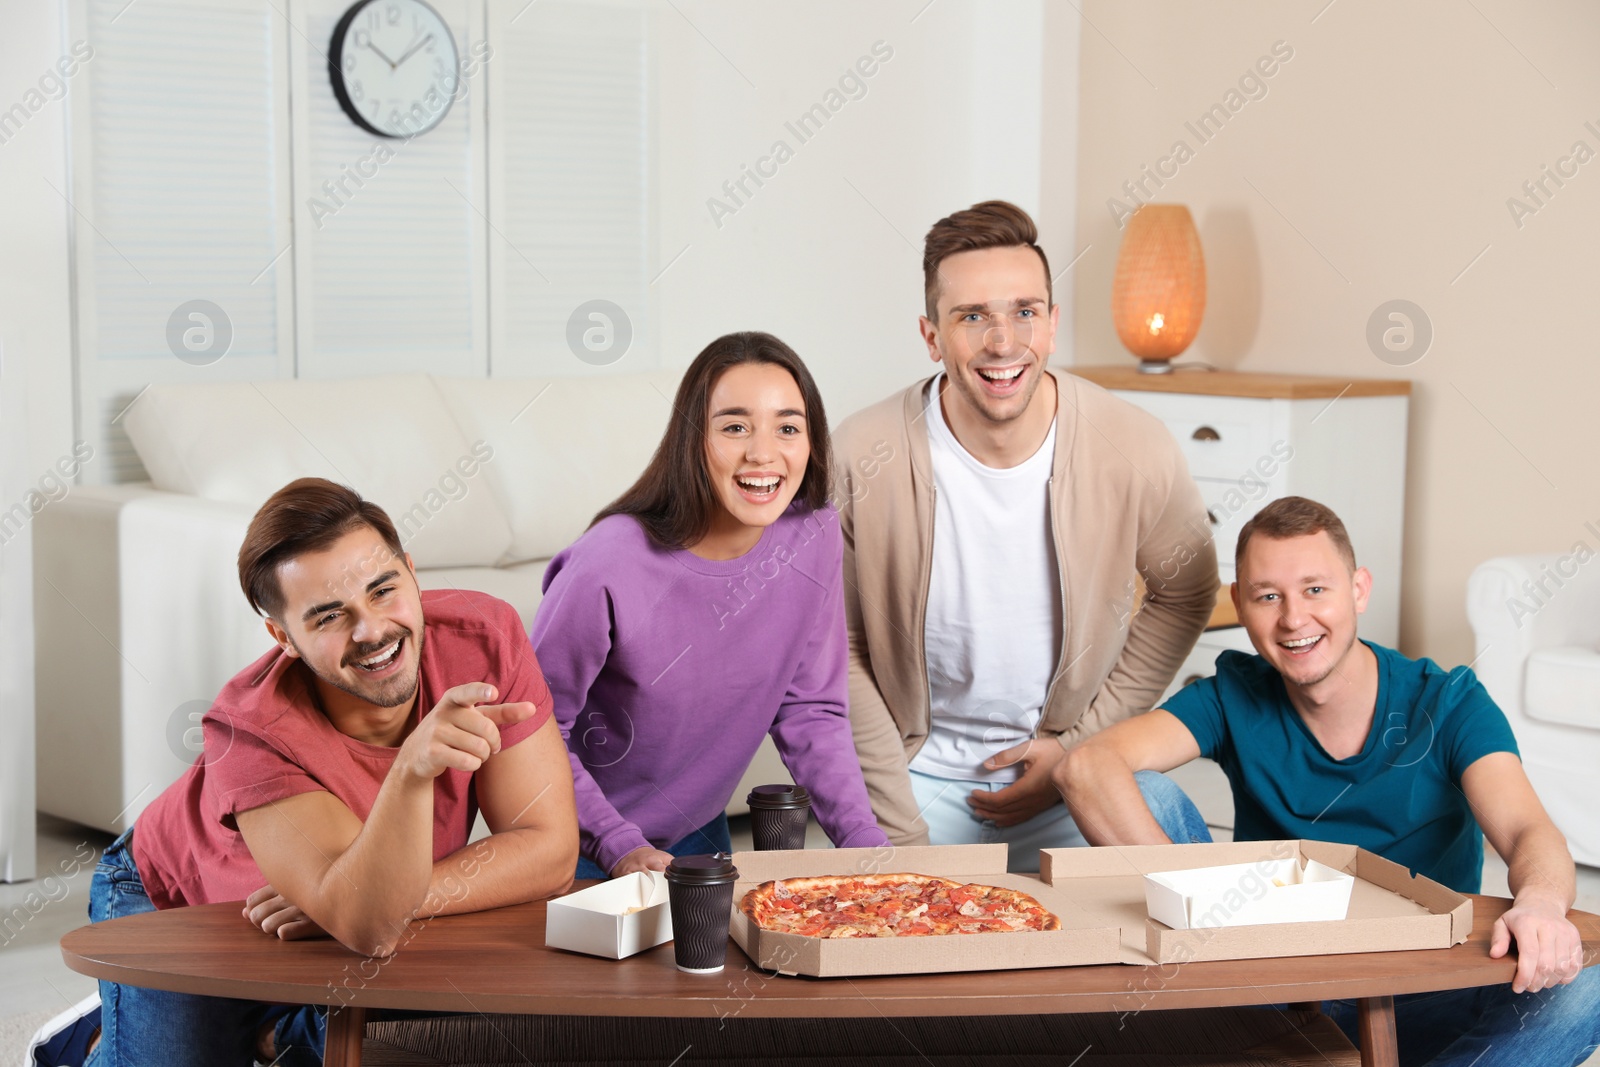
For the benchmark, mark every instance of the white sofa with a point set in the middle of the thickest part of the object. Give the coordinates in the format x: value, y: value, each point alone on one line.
x: 1536, y: 621
x: 140, y: 618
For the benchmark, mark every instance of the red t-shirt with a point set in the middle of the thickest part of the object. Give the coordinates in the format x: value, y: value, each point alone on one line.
x: 265, y: 740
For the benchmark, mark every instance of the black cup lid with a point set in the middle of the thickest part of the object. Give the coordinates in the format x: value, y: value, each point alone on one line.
x: 717, y: 867
x: 778, y: 797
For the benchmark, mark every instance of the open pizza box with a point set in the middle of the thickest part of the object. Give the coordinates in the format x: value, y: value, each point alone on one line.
x: 1084, y: 937
x: 1225, y: 894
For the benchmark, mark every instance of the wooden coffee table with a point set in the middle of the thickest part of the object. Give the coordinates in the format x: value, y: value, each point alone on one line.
x: 496, y: 962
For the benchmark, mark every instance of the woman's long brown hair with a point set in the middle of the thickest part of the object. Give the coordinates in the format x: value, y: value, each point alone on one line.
x: 673, y: 499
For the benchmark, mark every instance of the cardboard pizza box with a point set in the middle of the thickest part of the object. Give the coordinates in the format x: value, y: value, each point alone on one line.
x: 1389, y: 908
x: 1084, y: 938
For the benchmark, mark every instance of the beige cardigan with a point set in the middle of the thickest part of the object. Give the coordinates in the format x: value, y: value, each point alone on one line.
x: 1121, y: 501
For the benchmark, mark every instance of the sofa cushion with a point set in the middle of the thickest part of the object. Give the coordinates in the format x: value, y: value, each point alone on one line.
x: 520, y: 586
x: 563, y: 447
x: 1564, y: 686
x: 387, y: 437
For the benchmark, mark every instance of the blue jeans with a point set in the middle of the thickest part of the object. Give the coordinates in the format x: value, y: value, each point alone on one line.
x: 154, y: 1028
x: 943, y: 803
x: 712, y: 837
x: 1492, y: 1026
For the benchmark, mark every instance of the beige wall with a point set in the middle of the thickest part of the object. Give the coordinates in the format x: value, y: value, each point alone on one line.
x: 1377, y: 166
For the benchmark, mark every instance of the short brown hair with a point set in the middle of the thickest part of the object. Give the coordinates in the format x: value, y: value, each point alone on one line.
x: 307, y: 515
x: 1295, y: 516
x: 991, y: 224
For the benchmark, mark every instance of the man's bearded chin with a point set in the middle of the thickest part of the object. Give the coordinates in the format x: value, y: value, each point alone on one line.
x: 392, y: 698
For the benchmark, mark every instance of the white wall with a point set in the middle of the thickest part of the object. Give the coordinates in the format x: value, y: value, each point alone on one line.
x: 35, y: 369
x: 827, y: 253
x: 1378, y: 166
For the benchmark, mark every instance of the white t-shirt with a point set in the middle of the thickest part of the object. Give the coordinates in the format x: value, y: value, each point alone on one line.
x: 993, y: 629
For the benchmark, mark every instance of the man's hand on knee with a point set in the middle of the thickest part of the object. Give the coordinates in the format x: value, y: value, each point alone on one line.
x: 1030, y: 794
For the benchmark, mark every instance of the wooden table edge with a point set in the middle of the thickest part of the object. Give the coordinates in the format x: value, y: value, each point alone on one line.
x: 1121, y: 987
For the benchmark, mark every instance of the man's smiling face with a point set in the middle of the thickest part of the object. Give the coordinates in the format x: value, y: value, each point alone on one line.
x: 1299, y: 599
x: 995, y: 329
x: 353, y: 613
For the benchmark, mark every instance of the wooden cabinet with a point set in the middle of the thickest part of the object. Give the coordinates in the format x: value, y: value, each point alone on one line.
x: 1251, y: 438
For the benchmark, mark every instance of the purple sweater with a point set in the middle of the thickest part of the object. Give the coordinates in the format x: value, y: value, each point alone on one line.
x: 668, y: 669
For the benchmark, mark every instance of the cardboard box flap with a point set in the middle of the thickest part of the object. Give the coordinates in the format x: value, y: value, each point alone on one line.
x: 1138, y: 860
x: 946, y: 861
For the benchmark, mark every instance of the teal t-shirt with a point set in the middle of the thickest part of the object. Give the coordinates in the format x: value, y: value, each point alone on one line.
x: 1399, y: 797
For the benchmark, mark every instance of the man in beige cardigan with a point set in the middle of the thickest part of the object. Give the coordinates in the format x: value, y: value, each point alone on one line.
x: 995, y: 517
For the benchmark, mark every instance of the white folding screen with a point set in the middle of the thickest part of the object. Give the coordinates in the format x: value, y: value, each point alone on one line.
x: 179, y: 194
x: 200, y: 154
x: 571, y: 171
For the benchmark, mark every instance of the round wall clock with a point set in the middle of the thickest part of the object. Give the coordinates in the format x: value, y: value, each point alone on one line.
x: 394, y: 66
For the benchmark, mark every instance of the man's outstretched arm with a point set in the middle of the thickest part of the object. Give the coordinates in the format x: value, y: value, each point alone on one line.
x: 1542, y: 878
x: 1096, y: 777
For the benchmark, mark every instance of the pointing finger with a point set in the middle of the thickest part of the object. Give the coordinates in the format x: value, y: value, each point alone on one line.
x: 505, y: 714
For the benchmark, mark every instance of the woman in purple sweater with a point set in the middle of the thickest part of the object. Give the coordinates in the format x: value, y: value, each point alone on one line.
x: 702, y: 611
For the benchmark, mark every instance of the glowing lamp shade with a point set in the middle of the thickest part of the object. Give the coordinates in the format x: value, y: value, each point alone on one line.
x: 1158, y: 295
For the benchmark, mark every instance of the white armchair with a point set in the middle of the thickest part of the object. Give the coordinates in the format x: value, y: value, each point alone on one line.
x: 1536, y: 621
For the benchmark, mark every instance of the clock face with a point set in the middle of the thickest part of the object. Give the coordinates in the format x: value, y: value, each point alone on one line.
x: 394, y: 66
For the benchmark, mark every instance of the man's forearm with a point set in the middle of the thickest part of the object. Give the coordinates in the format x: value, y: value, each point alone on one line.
x: 1540, y: 868
x: 1104, y: 799
x: 511, y: 867
x: 375, y: 886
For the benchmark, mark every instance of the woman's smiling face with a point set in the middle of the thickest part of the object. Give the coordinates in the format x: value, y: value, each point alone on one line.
x: 757, y: 449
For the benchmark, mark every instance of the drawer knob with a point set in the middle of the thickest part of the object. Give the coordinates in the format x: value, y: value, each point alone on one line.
x: 1212, y: 515
x: 1206, y: 433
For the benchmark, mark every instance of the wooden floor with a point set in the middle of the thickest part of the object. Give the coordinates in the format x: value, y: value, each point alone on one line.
x: 1268, y: 1035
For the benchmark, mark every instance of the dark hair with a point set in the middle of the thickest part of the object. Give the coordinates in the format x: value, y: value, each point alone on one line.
x: 1295, y: 516
x: 307, y: 515
x: 991, y: 224
x: 673, y: 499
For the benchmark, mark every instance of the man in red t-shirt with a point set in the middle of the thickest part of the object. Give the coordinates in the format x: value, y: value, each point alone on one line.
x: 341, y: 775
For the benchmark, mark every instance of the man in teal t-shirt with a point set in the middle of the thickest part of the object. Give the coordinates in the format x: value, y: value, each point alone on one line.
x: 1328, y: 737
x: 1399, y: 795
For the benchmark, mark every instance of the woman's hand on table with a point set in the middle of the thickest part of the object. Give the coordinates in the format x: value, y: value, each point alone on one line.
x: 271, y: 914
x: 642, y: 859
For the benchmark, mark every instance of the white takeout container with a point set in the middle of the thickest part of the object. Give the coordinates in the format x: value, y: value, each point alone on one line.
x: 1248, y: 894
x: 594, y: 920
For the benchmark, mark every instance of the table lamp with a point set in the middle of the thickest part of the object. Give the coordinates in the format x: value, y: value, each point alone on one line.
x: 1158, y: 294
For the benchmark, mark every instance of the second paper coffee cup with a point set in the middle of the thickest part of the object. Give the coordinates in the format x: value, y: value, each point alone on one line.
x: 778, y: 816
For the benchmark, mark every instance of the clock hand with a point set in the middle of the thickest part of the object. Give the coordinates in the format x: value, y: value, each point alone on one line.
x: 386, y: 59
x: 413, y: 49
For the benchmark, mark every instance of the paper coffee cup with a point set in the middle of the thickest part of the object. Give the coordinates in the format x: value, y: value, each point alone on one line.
x: 778, y: 816
x: 700, y: 896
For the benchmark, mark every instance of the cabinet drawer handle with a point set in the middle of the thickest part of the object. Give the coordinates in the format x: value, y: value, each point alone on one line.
x: 1206, y: 433
x: 1212, y: 515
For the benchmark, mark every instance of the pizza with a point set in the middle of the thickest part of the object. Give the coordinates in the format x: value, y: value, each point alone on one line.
x: 891, y: 905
